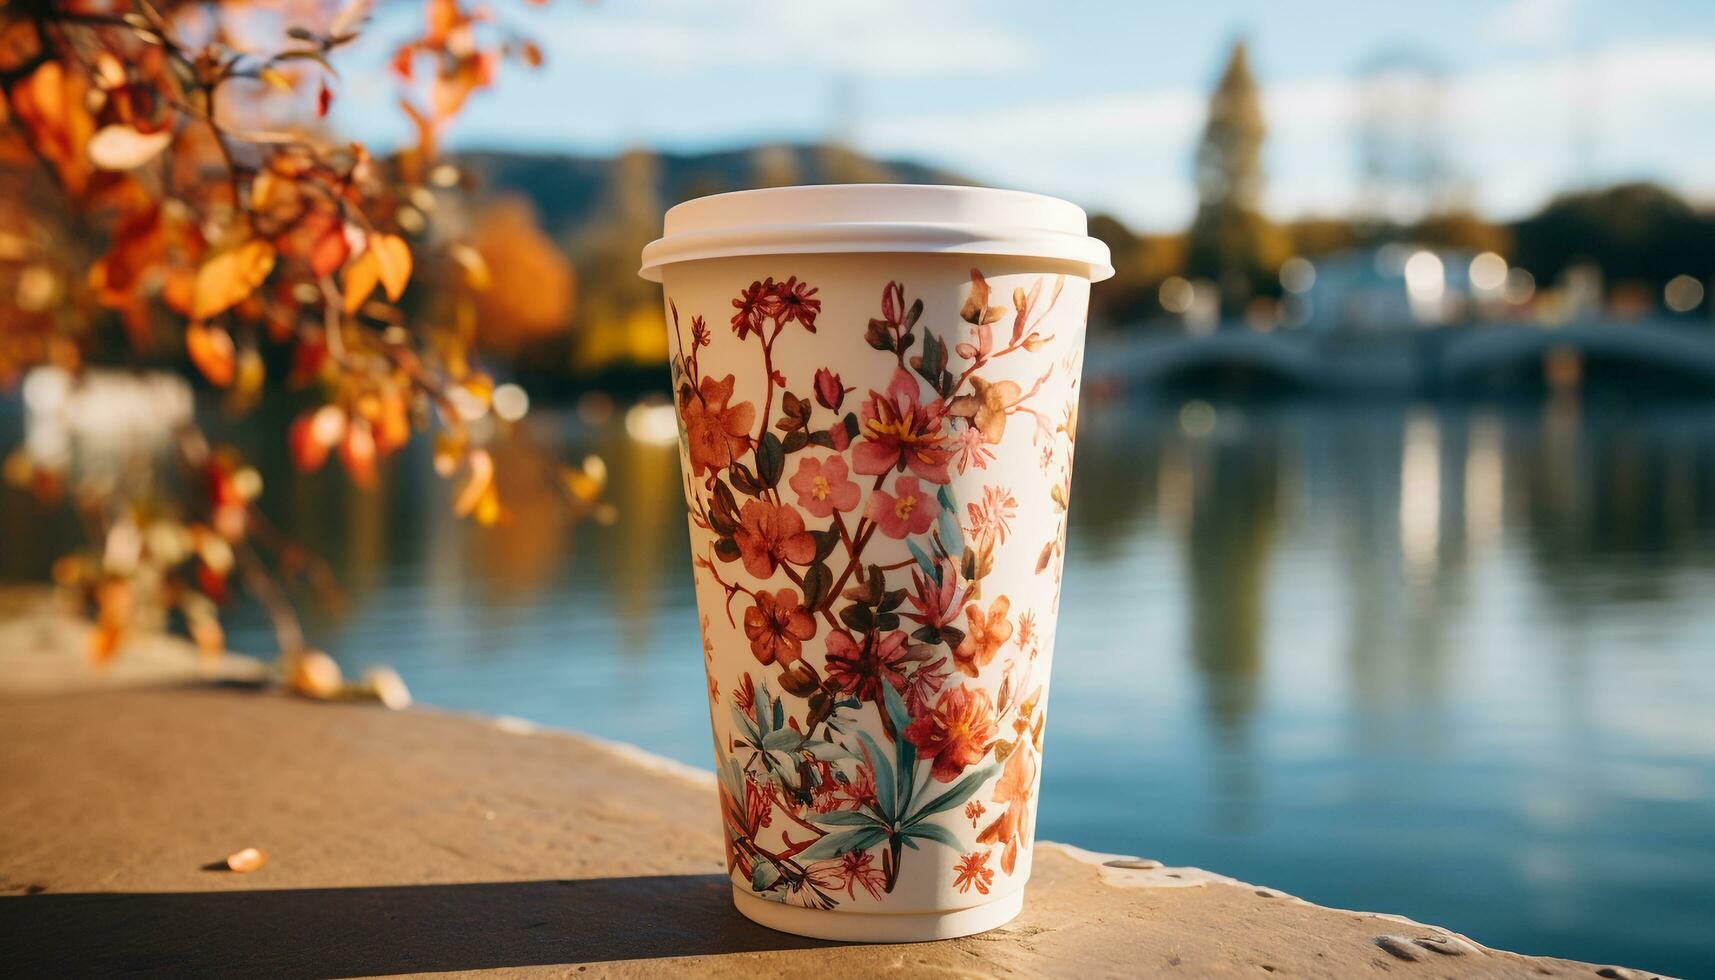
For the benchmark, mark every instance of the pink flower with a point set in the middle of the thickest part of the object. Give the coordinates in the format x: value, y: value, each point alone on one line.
x: 823, y: 486
x: 994, y: 513
x: 969, y: 448
x: 829, y: 392
x: 900, y: 433
x: 908, y: 510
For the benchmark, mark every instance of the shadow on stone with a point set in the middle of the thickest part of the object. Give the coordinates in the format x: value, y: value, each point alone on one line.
x: 336, y: 932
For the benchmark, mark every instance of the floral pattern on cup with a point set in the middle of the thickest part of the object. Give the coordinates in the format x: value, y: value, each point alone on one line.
x: 860, y: 735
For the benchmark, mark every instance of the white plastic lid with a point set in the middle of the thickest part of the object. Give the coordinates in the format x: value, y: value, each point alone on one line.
x: 876, y: 218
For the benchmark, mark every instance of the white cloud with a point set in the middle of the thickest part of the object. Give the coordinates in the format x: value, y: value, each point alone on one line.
x: 880, y: 38
x: 1531, y: 23
x: 1513, y: 130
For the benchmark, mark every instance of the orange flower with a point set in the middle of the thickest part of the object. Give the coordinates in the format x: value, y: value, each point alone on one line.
x: 777, y: 627
x: 715, y: 434
x: 955, y: 733
x: 973, y: 869
x: 769, y: 534
x: 1013, y: 788
x: 987, y: 634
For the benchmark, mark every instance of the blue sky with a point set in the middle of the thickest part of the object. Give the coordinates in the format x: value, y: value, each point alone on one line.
x: 1101, y: 102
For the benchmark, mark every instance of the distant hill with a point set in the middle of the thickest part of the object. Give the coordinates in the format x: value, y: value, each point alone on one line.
x: 572, y: 192
x: 601, y: 211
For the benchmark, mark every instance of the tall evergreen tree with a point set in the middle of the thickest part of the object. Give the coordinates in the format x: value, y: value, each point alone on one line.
x: 1230, y: 240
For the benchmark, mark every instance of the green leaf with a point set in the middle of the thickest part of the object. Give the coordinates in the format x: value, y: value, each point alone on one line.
x: 884, y: 779
x: 934, y: 832
x: 746, y: 726
x: 782, y: 740
x: 779, y: 712
x: 922, y: 560
x: 818, y: 581
x: 947, y: 523
x: 846, y: 818
x: 896, y: 709
x: 795, y: 440
x: 764, y: 877
x: 770, y: 459
x: 961, y: 791
x: 844, y: 842
x: 933, y: 361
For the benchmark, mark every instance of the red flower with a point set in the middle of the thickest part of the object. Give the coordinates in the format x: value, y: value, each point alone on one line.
x: 715, y: 434
x: 792, y: 302
x: 956, y: 732
x: 823, y: 486
x: 900, y: 433
x: 937, y: 604
x: 973, y: 869
x: 925, y: 682
x: 974, y: 811
x: 849, y: 871
x: 777, y: 627
x: 769, y: 534
x: 758, y: 303
x: 859, y: 668
x: 908, y: 510
x: 744, y: 696
x: 829, y: 393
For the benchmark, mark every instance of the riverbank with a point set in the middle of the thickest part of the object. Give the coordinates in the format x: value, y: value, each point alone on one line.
x: 423, y: 841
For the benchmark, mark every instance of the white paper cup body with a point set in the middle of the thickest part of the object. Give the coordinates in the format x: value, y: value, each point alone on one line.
x: 877, y: 449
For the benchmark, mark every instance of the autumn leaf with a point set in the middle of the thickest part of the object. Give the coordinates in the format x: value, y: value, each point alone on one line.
x: 211, y: 350
x: 124, y: 147
x: 387, y: 261
x: 229, y: 277
x: 977, y: 309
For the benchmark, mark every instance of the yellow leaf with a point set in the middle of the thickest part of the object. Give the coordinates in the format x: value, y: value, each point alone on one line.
x: 119, y: 147
x: 229, y: 277
x: 361, y: 275
x: 386, y: 260
x: 394, y: 257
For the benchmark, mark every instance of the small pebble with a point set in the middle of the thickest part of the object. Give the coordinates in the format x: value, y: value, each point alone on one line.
x: 1264, y: 893
x: 1400, y: 946
x: 1447, y: 945
x: 247, y: 860
x: 1132, y: 864
x: 1617, y: 973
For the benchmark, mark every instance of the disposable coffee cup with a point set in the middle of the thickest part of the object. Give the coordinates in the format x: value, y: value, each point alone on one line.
x: 877, y: 388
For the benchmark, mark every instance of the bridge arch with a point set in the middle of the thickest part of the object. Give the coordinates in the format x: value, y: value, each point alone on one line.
x: 1642, y: 353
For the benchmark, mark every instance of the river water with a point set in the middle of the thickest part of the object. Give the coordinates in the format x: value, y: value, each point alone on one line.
x: 1454, y: 662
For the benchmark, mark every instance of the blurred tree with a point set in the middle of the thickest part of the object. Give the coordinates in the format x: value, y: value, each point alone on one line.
x: 1636, y: 233
x: 1141, y: 262
x: 531, y: 287
x: 164, y: 168
x: 1461, y: 230
x: 620, y: 323
x: 1230, y: 240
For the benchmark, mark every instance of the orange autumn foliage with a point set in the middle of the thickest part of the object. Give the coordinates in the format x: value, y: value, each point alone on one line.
x: 531, y: 288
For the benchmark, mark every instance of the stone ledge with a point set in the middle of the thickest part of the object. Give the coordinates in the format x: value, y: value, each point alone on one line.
x: 421, y: 842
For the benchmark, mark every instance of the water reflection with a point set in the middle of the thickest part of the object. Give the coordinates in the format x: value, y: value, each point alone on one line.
x: 1451, y: 661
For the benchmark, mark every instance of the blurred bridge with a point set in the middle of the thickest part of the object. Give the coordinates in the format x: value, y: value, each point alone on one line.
x: 1412, y: 361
